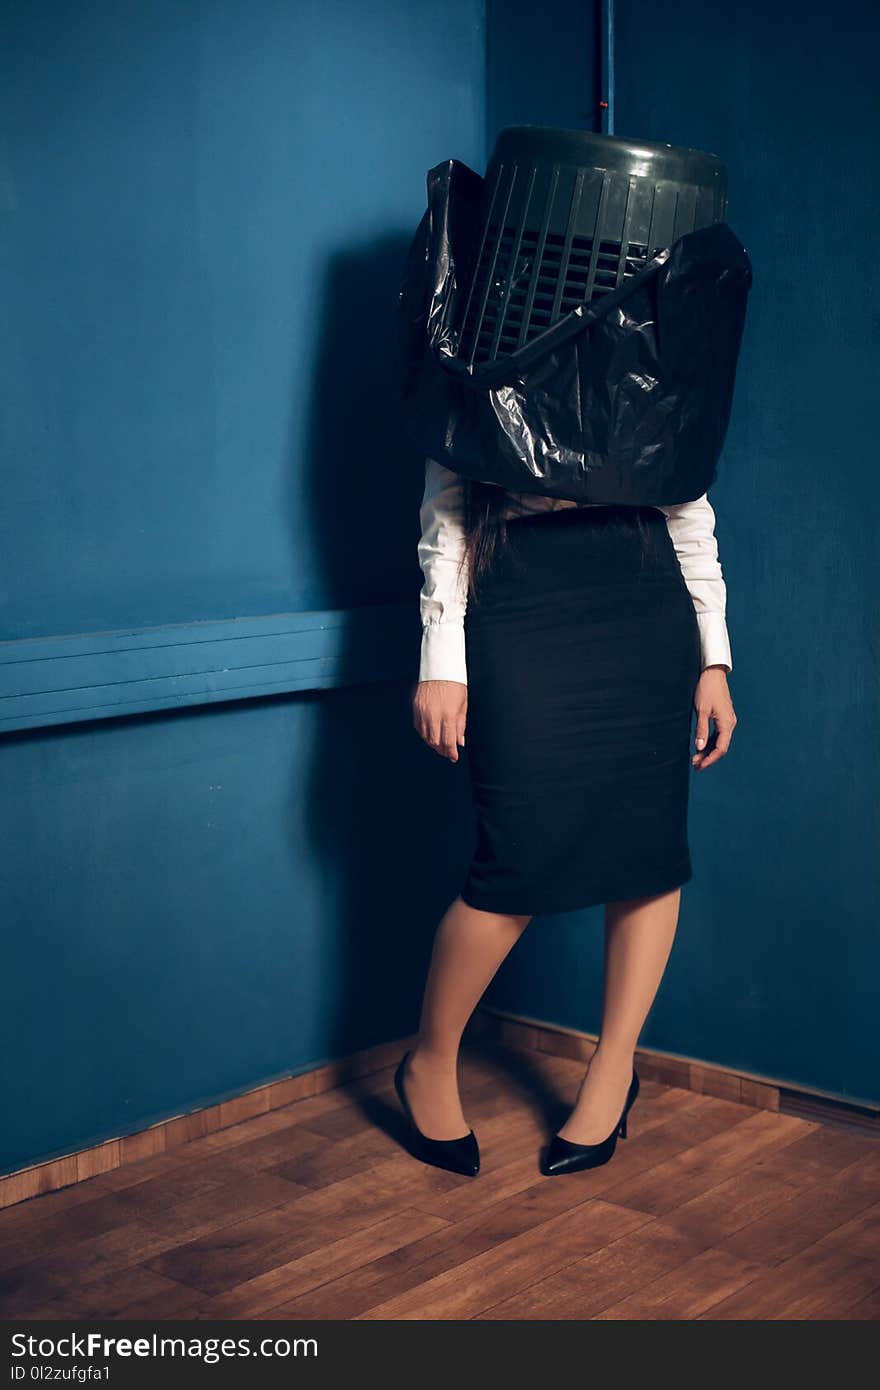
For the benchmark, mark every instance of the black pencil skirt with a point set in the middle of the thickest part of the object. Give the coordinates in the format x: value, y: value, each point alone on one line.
x: 583, y: 654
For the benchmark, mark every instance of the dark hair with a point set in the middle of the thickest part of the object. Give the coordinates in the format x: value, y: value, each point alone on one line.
x: 486, y: 529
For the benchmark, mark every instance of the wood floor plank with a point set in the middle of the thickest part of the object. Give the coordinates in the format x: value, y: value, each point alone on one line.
x: 445, y: 1250
x: 65, y: 1227
x: 818, y: 1156
x: 732, y: 1204
x: 24, y: 1216
x: 279, y: 1146
x: 235, y: 1253
x: 687, y: 1291
x: 341, y: 1123
x: 820, y: 1282
x: 812, y: 1214
x: 689, y: 1173
x: 27, y: 1216
x: 511, y: 1267
x: 860, y: 1235
x: 266, y: 1292
x: 120, y: 1234
x: 138, y: 1200
x: 496, y: 1183
x: 866, y: 1310
x: 330, y: 1162
x: 236, y: 1201
x: 587, y: 1286
x: 130, y: 1293
x: 56, y: 1272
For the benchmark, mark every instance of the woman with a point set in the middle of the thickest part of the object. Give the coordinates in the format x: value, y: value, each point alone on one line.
x: 571, y: 644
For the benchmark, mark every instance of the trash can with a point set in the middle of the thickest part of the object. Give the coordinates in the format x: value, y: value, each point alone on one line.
x: 571, y: 322
x: 566, y: 217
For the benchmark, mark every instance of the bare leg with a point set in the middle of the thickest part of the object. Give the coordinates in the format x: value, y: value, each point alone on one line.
x: 638, y: 940
x: 469, y: 947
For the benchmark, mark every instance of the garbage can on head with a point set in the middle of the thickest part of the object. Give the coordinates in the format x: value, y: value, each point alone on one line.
x: 572, y: 321
x: 566, y: 217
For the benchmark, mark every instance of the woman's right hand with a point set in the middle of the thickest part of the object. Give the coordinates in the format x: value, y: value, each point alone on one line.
x: 440, y: 715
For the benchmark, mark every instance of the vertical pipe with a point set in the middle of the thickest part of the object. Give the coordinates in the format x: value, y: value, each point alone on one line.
x: 606, y: 66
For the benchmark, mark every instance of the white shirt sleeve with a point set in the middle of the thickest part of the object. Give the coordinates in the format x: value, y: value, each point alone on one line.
x: 443, y: 598
x: 691, y: 527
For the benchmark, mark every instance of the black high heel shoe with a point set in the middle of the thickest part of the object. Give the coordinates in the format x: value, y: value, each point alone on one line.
x: 455, y: 1155
x: 564, y: 1157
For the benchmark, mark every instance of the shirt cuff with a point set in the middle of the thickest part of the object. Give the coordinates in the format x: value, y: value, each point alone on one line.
x: 714, y: 640
x: 443, y: 653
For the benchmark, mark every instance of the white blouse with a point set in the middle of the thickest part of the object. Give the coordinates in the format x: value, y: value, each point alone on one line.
x: 443, y: 598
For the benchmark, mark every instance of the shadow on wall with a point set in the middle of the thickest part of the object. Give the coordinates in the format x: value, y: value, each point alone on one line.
x: 389, y: 821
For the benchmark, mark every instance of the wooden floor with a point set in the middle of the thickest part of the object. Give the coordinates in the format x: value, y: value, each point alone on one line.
x: 709, y: 1210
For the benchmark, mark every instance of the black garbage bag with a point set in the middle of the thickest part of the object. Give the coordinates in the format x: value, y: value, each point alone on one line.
x: 623, y: 400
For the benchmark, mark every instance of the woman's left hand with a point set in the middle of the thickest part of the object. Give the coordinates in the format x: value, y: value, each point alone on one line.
x: 712, y: 701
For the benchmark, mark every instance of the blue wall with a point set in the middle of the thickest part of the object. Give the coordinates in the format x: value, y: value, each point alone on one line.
x: 541, y: 65
x: 201, y: 901
x: 203, y: 212
x: 776, y: 966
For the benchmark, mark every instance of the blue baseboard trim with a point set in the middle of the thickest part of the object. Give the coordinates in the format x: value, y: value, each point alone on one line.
x: 105, y: 675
